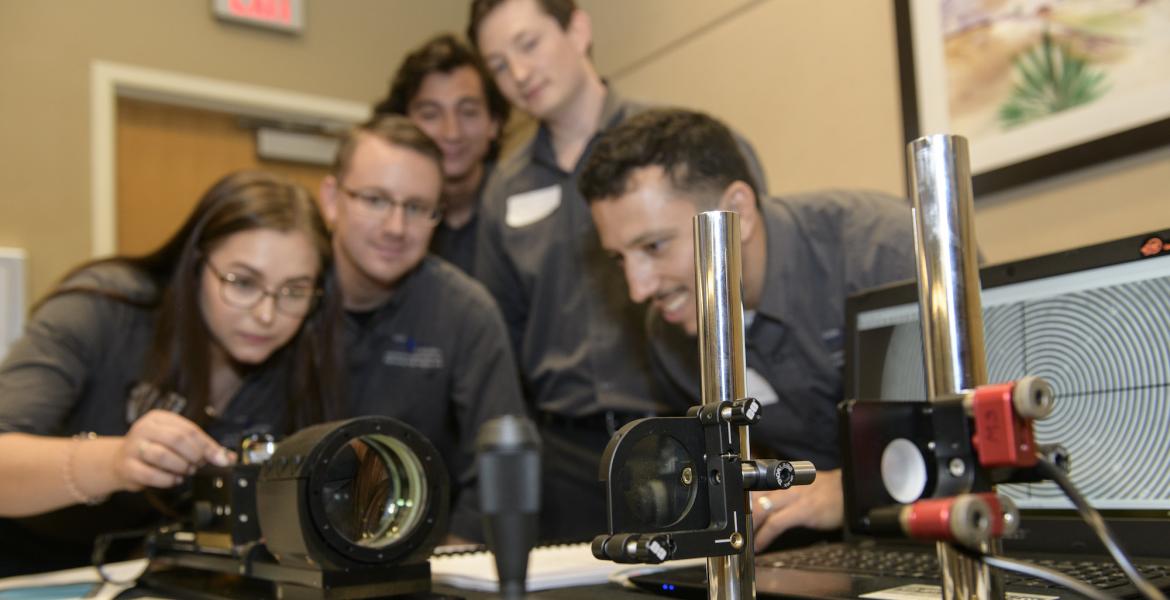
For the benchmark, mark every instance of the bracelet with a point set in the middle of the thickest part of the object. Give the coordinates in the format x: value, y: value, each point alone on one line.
x: 67, y: 471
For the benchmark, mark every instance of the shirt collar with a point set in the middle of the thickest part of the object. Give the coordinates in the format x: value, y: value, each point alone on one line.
x: 778, y: 298
x: 613, y: 111
x: 402, y: 290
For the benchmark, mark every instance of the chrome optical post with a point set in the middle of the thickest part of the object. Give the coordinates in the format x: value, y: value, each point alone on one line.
x: 951, y: 315
x: 718, y: 276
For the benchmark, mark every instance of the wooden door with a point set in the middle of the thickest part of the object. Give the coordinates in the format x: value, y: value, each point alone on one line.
x: 168, y: 155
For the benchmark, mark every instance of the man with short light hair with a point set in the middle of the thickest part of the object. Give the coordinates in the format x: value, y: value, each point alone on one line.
x: 425, y: 343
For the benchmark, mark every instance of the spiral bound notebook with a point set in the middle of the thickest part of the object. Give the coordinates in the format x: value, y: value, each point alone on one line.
x: 548, y: 567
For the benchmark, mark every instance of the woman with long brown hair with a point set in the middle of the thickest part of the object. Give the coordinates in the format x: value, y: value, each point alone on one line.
x: 138, y: 370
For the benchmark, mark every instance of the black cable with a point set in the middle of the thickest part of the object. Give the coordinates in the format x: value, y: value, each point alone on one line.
x: 1094, y: 520
x: 101, y: 545
x: 1032, y: 570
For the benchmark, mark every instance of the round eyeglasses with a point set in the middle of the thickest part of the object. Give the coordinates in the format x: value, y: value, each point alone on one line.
x: 245, y: 291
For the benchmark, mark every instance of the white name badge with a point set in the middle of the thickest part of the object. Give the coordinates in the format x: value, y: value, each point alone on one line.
x: 757, y: 387
x: 530, y: 207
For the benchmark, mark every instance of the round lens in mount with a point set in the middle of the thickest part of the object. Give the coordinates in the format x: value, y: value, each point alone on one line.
x: 374, y: 491
x: 658, y: 481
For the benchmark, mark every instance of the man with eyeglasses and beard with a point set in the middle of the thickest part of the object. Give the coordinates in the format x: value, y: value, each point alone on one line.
x: 424, y: 342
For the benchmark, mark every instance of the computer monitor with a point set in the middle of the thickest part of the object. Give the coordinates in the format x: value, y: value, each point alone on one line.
x: 1095, y: 322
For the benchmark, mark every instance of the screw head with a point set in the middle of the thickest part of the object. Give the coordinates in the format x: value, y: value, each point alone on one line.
x: 687, y: 477
x: 957, y: 467
x: 736, y: 540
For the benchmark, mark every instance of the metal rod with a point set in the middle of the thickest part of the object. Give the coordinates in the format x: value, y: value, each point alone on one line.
x: 948, y: 267
x: 950, y: 310
x: 718, y: 285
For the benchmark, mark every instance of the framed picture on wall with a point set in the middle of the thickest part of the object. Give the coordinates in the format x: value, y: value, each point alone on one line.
x: 1038, y: 87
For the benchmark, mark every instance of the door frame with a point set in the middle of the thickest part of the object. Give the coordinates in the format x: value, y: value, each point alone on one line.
x: 109, y: 81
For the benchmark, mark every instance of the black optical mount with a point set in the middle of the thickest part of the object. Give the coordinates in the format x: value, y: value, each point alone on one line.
x: 676, y: 486
x: 349, y: 509
x: 902, y: 457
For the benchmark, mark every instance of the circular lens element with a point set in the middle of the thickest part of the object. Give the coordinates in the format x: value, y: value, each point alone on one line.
x: 903, y: 471
x: 364, y: 491
x: 653, y: 479
x: 374, y: 491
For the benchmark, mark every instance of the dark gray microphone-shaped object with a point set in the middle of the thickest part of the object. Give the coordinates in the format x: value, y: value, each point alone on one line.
x: 508, y: 462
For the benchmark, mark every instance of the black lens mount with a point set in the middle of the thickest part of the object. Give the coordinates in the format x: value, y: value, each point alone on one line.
x: 354, y: 493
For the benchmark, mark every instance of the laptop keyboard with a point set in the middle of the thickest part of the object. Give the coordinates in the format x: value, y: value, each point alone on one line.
x: 924, y: 565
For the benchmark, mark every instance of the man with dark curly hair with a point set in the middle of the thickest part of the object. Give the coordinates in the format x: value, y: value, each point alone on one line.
x: 443, y: 88
x: 802, y: 255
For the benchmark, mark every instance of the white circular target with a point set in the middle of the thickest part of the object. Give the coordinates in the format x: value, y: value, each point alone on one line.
x: 903, y: 471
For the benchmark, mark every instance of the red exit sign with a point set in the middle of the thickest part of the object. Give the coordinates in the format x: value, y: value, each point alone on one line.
x: 285, y: 15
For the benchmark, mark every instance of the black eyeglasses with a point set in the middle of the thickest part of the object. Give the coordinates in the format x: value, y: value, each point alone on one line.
x: 245, y: 291
x: 379, y: 206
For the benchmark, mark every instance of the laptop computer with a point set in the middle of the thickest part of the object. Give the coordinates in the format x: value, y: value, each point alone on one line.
x: 1095, y: 322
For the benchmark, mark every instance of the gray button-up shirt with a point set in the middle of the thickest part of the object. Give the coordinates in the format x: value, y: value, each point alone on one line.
x: 821, y: 247
x: 436, y: 357
x: 578, y: 339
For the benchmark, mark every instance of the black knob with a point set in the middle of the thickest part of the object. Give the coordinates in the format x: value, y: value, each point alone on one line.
x: 745, y: 411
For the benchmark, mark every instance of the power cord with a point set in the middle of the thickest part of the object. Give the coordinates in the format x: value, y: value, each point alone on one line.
x: 101, y: 545
x: 1033, y: 570
x: 1094, y: 520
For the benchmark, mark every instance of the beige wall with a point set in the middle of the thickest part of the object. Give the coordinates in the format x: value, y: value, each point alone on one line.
x: 814, y: 85
x: 347, y: 51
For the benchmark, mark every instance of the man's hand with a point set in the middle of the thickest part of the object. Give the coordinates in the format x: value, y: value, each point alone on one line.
x: 820, y: 505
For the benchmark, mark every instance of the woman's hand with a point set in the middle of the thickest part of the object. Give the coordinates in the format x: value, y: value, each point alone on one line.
x: 162, y: 448
x: 820, y: 505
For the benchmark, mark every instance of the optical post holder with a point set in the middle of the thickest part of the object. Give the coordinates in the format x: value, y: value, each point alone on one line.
x: 675, y: 485
x: 966, y: 458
